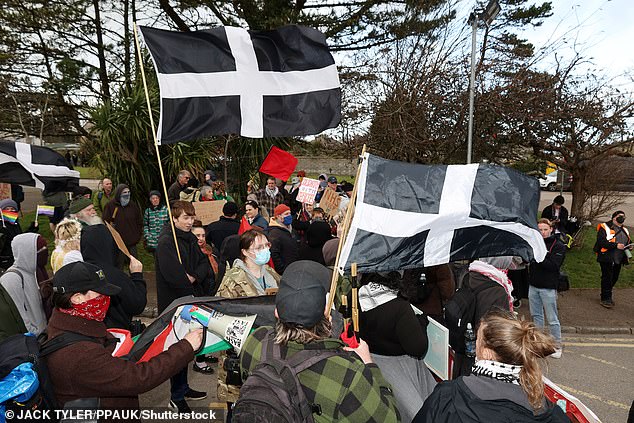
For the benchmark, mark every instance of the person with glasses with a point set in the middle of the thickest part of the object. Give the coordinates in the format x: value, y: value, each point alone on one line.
x: 249, y: 276
x: 182, y: 181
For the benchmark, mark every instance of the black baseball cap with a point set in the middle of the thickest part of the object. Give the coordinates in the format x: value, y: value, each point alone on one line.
x: 81, y: 277
x: 332, y: 180
x: 301, y: 297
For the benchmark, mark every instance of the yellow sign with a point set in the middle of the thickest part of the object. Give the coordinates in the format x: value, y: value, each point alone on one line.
x: 550, y: 167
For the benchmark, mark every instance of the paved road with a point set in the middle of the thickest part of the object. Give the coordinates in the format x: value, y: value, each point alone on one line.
x: 599, y: 371
x: 627, y: 206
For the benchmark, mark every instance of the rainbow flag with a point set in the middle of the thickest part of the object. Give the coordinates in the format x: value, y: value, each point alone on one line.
x: 45, y: 210
x: 9, y: 216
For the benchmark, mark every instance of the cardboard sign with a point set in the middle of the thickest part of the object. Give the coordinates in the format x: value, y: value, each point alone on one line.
x: 117, y: 239
x: 5, y: 191
x: 308, y: 191
x: 330, y: 201
x: 209, y: 211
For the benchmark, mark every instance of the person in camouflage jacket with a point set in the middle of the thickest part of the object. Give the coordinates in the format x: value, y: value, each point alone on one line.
x: 154, y: 217
x: 346, y: 387
x: 246, y: 278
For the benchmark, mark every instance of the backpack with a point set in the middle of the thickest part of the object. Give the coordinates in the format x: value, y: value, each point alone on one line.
x: 272, y: 392
x: 25, y: 348
x: 459, y: 311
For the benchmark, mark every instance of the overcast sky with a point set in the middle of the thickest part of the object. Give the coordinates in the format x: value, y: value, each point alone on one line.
x: 606, y: 33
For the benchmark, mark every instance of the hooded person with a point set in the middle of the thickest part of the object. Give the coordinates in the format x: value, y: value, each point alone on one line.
x: 87, y: 369
x: 96, y: 241
x: 9, y: 228
x: 20, y: 282
x: 125, y: 216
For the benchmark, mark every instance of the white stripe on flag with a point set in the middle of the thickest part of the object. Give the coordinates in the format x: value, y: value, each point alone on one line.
x: 248, y: 82
x: 23, y: 157
x: 454, y: 211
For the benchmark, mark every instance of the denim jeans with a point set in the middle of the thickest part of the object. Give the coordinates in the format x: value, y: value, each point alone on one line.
x: 542, y: 300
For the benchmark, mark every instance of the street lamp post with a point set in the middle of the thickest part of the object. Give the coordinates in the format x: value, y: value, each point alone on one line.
x: 487, y: 16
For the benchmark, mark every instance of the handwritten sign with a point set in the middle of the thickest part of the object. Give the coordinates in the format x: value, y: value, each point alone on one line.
x: 330, y: 201
x: 117, y: 239
x: 308, y: 191
x: 208, y: 211
x: 5, y: 191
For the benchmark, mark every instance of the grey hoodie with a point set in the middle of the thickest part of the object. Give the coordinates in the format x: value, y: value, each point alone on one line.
x: 25, y: 291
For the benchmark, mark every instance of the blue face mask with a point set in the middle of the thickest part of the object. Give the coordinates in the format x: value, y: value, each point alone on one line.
x: 288, y: 220
x: 262, y: 257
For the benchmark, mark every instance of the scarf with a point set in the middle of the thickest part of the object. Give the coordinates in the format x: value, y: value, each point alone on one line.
x: 508, y: 373
x: 272, y: 193
x: 496, y: 275
x: 94, y: 309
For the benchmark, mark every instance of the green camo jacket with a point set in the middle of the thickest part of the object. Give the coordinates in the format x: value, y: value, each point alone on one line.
x: 346, y: 389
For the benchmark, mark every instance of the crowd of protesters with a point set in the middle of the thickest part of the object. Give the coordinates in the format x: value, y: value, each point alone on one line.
x: 273, y: 243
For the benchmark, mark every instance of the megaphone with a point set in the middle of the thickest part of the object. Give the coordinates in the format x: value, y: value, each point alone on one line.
x: 233, y: 329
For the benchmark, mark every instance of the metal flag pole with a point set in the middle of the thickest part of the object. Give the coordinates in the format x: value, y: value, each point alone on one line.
x: 344, y: 234
x: 158, y: 153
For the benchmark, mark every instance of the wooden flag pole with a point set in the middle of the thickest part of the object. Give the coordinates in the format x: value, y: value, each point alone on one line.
x: 158, y: 153
x: 344, y: 234
x: 355, y: 298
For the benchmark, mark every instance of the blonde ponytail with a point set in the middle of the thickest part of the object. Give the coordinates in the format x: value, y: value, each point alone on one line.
x: 520, y: 343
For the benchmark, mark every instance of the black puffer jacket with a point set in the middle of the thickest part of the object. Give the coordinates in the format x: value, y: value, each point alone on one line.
x: 96, y: 248
x: 284, y: 248
x: 479, y: 399
x: 546, y: 274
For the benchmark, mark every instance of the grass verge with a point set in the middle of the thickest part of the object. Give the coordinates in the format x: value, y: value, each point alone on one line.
x: 583, y: 269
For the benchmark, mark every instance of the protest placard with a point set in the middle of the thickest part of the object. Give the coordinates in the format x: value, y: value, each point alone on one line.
x: 117, y: 239
x: 5, y: 191
x: 308, y: 191
x: 437, y: 357
x: 330, y: 201
x: 209, y: 211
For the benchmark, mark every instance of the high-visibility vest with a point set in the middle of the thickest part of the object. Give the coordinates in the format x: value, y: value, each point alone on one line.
x: 610, y: 234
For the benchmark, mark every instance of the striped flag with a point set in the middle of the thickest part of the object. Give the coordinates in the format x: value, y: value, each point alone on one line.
x: 9, y: 216
x: 409, y: 215
x: 257, y: 84
x: 45, y: 210
x: 34, y: 166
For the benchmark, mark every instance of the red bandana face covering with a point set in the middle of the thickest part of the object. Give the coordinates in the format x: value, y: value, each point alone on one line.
x: 94, y: 309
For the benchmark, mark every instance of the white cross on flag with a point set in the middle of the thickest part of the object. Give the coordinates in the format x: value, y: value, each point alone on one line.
x: 253, y: 83
x: 410, y: 215
x: 41, y: 167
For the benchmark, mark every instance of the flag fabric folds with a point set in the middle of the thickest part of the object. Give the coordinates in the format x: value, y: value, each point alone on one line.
x: 279, y: 164
x: 410, y: 215
x: 254, y: 83
x: 40, y: 167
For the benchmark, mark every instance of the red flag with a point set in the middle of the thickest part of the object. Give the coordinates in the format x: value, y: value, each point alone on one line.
x: 244, y: 226
x: 279, y: 164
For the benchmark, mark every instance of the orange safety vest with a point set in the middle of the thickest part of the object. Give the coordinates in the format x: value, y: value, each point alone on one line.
x: 610, y: 234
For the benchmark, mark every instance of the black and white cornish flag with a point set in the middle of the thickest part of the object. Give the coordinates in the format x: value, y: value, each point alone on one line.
x: 41, y: 167
x: 253, y: 83
x: 410, y: 215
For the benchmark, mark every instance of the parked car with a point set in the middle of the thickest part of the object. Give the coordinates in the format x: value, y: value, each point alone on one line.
x: 552, y: 181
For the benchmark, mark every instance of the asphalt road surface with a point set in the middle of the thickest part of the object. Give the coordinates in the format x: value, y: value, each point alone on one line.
x: 599, y: 371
